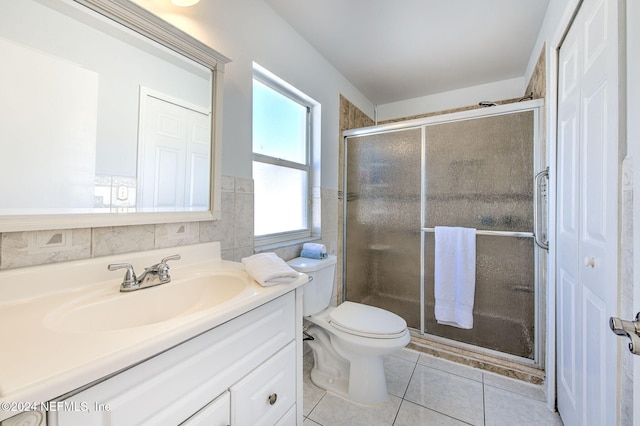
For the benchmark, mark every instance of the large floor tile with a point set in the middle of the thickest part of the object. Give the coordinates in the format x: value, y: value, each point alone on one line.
x: 446, y: 393
x: 411, y: 414
x: 507, y: 408
x: 436, y: 392
x: 398, y: 372
x: 335, y: 411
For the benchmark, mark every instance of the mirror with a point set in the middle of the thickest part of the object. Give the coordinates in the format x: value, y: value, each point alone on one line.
x: 109, y: 116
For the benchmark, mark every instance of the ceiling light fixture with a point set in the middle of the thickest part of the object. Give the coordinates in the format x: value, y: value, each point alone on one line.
x: 184, y: 3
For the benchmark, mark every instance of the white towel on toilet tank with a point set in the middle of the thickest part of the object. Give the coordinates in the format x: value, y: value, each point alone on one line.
x: 268, y: 269
x: 455, y: 275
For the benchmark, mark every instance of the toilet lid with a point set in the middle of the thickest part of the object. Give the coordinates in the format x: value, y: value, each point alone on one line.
x: 367, y: 321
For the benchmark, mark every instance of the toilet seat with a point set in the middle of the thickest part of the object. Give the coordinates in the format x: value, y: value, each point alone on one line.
x: 367, y: 321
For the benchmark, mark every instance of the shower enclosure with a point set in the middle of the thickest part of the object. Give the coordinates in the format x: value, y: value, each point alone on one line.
x: 471, y: 169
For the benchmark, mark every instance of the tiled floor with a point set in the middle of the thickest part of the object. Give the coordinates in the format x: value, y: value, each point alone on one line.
x: 425, y: 390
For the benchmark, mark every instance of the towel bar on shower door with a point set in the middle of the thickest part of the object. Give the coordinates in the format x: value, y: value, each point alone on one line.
x: 494, y: 233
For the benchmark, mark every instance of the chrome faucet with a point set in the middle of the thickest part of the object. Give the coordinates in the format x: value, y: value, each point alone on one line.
x: 152, y: 276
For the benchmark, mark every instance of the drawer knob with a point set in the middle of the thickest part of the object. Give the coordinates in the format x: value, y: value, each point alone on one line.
x: 273, y: 398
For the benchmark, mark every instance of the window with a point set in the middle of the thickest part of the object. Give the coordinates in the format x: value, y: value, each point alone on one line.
x: 282, y: 119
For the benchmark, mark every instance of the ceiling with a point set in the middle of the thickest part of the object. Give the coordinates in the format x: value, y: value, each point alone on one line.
x: 394, y: 50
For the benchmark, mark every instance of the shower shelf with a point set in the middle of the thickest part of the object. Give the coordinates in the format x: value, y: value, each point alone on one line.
x: 376, y: 185
x: 517, y: 234
x: 379, y: 247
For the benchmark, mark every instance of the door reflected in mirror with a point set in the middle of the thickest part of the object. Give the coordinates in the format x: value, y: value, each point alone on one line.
x: 173, y: 154
x: 96, y: 118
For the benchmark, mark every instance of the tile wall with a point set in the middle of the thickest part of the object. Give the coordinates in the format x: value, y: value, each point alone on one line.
x: 21, y: 249
x: 626, y: 290
x: 538, y: 81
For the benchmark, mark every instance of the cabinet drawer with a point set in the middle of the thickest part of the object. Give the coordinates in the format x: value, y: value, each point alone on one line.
x: 289, y: 419
x: 216, y: 413
x: 267, y: 393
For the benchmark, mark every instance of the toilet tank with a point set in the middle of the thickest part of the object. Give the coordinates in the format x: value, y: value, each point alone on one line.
x: 317, y: 292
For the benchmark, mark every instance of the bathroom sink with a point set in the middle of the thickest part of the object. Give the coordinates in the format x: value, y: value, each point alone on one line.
x: 109, y: 309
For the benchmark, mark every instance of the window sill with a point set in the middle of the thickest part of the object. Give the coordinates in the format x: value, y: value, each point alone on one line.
x: 282, y: 244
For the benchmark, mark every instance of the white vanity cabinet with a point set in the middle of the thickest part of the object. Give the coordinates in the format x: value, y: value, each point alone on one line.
x: 216, y: 413
x: 265, y: 395
x: 246, y: 371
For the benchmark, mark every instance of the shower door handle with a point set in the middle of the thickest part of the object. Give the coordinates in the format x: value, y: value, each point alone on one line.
x: 540, y: 193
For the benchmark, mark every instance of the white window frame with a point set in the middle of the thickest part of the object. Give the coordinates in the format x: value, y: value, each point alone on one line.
x: 265, y: 77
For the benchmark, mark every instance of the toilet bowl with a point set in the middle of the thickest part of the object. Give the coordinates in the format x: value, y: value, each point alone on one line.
x: 349, y: 340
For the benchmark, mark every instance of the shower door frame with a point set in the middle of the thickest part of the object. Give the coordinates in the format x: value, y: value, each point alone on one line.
x: 539, y: 164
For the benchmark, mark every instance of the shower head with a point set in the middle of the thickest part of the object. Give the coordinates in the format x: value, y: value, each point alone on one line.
x: 487, y: 104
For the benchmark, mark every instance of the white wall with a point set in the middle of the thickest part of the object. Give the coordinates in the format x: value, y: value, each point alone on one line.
x: 505, y: 89
x: 247, y: 31
x: 558, y: 15
x: 49, y: 164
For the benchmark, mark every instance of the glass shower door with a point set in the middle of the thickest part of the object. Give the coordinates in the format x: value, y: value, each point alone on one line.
x: 382, y: 217
x: 479, y: 174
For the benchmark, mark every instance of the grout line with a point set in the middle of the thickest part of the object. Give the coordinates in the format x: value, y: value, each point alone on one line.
x: 324, y: 392
x: 397, y: 412
x: 406, y: 389
x: 314, y: 407
x: 484, y: 402
x: 404, y: 394
x: 440, y: 412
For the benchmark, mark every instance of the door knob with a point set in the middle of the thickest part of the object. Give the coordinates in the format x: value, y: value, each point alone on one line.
x: 631, y: 329
x: 589, y: 261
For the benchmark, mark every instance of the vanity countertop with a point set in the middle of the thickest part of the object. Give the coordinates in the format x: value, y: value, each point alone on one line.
x: 40, y: 361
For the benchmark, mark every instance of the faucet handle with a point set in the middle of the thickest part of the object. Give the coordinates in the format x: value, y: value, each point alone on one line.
x: 163, y: 267
x: 172, y: 257
x: 129, y: 276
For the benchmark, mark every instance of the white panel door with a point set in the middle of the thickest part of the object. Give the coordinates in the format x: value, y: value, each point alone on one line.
x: 587, y: 226
x: 174, y: 155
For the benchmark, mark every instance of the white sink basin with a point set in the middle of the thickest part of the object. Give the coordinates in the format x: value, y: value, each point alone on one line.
x: 108, y: 309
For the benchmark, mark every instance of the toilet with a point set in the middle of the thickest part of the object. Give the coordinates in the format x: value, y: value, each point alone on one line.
x: 350, y: 340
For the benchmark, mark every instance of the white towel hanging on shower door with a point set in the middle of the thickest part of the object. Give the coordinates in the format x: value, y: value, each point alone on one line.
x: 455, y: 275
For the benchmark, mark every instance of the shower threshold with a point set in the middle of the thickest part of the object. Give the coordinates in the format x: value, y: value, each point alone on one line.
x: 494, y: 362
